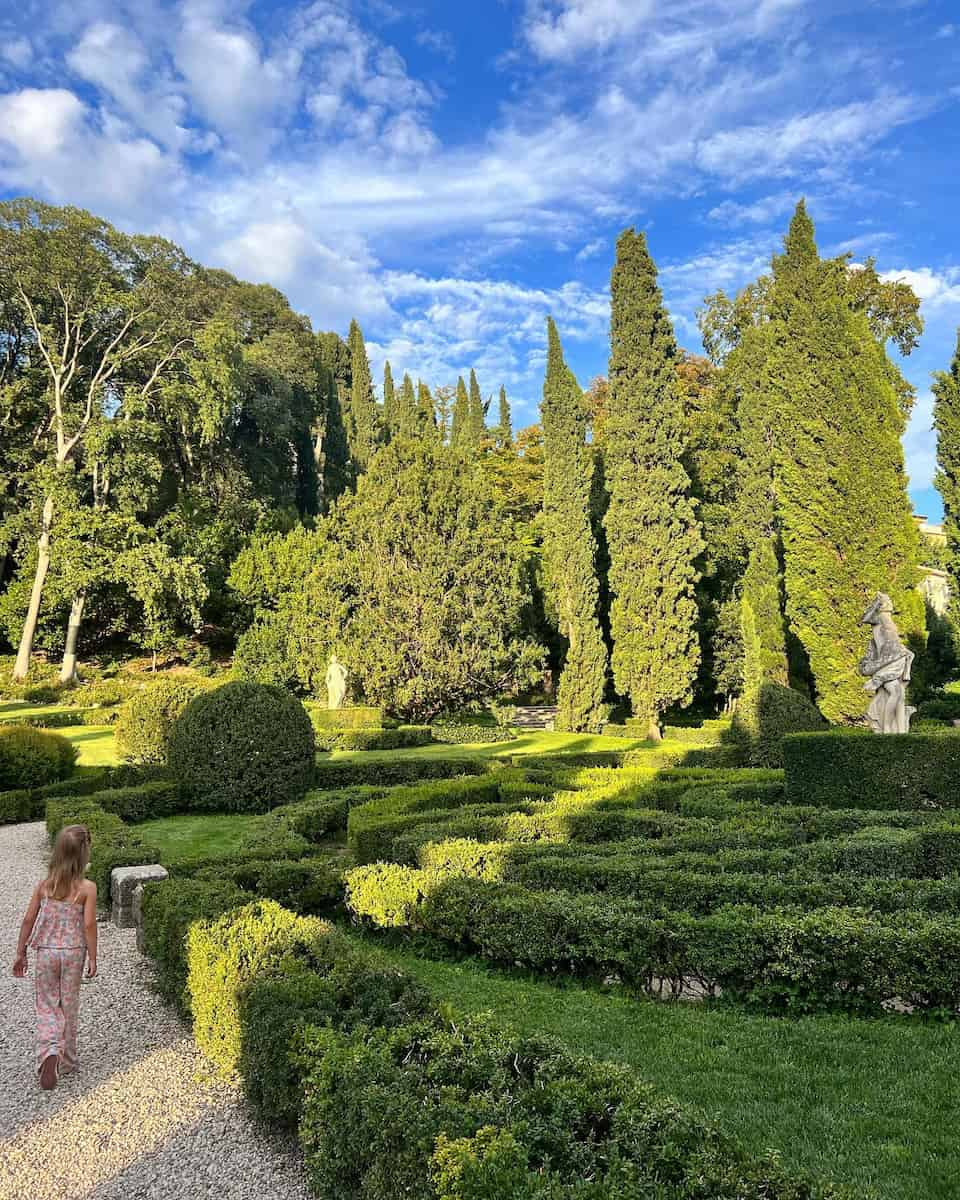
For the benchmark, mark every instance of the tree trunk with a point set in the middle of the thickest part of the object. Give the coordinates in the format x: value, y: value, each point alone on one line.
x: 68, y: 669
x: 25, y: 650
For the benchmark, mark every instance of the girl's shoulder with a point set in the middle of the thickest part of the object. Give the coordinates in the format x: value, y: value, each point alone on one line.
x: 87, y: 888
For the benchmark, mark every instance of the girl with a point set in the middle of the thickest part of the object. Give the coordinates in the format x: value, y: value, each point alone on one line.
x: 61, y: 924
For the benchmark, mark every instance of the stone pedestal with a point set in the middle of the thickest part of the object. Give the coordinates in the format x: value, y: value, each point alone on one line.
x: 124, y: 881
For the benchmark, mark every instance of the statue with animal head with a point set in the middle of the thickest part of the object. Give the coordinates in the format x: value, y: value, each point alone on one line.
x: 886, y: 667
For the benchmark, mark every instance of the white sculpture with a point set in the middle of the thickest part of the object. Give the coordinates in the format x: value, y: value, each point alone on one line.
x: 887, y: 666
x: 336, y: 682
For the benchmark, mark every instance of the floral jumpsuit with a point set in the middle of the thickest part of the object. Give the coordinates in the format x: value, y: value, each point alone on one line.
x: 61, y: 948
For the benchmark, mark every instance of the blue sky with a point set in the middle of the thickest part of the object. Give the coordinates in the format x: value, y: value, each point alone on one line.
x: 450, y: 173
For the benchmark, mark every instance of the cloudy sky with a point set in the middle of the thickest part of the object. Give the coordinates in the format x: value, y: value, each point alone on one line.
x: 450, y: 173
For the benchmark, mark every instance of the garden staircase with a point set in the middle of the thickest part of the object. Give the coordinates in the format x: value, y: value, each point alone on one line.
x: 535, y: 716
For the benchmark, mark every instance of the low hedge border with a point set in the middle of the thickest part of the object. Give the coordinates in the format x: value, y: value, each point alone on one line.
x: 353, y: 772
x: 401, y: 737
x: 780, y: 960
x: 393, y: 1096
x: 857, y: 769
x: 471, y: 735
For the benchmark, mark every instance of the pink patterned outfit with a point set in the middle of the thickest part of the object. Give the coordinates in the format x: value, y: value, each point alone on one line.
x: 61, y: 948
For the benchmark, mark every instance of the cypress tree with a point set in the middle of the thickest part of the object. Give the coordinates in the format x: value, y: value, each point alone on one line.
x: 840, y: 480
x: 460, y: 420
x: 569, y: 547
x: 504, y: 426
x: 362, y: 422
x: 426, y: 416
x: 389, y: 401
x: 652, y: 532
x: 946, y: 421
x: 477, y: 412
x: 407, y: 408
x: 333, y: 453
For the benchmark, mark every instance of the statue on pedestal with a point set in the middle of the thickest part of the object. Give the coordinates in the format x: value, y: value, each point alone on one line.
x: 886, y: 666
x: 336, y: 682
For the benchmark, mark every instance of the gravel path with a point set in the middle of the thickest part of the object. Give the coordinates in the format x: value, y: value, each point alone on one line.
x: 142, y: 1119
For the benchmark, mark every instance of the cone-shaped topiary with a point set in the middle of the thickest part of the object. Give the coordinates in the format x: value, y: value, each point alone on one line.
x: 246, y: 747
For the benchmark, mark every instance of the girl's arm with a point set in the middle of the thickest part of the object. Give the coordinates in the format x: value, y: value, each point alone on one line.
x: 90, y: 928
x: 26, y: 928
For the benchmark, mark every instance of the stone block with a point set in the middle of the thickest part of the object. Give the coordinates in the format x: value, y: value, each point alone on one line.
x: 124, y: 881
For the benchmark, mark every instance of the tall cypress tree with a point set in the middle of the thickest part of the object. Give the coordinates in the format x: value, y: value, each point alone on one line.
x: 389, y: 400
x: 569, y: 547
x: 476, y: 411
x: 407, y: 408
x: 426, y: 416
x: 333, y: 452
x: 652, y: 532
x: 362, y: 423
x: 946, y: 421
x: 504, y: 426
x: 460, y: 420
x: 840, y: 480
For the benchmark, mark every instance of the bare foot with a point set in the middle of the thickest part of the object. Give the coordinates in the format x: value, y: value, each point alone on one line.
x: 48, y: 1072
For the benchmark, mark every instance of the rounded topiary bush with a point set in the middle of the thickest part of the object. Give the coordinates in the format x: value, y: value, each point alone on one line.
x: 33, y: 757
x: 143, y: 728
x: 764, y: 716
x: 245, y: 747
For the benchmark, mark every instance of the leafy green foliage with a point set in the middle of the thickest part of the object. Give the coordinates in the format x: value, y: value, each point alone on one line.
x: 142, y: 732
x: 569, y: 547
x: 847, y: 529
x: 651, y: 529
x: 946, y: 421
x: 245, y: 747
x: 31, y: 757
x: 854, y: 768
x: 764, y: 716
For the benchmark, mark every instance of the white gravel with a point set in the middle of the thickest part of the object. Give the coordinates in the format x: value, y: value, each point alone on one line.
x: 142, y: 1119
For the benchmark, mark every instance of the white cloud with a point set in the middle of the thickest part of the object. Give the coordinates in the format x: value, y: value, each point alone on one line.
x: 762, y: 211
x: 51, y: 143
x: 592, y: 249
x: 17, y: 51
x: 439, y: 41
x: 781, y: 147
x: 934, y: 289
x: 946, y: 31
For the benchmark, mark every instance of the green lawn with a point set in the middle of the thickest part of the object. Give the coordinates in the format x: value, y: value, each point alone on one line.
x: 873, y: 1104
x: 195, y: 836
x: 95, y: 743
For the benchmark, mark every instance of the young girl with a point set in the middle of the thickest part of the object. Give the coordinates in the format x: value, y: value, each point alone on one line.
x: 61, y: 925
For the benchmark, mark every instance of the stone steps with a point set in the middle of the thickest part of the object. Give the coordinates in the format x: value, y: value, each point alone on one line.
x: 535, y: 716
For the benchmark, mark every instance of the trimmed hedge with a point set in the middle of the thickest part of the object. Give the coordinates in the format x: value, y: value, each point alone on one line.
x: 230, y: 951
x: 857, y: 769
x: 459, y: 1109
x: 21, y: 804
x: 142, y: 732
x: 63, y: 719
x: 764, y: 716
x: 338, y: 719
x: 169, y: 909
x: 30, y: 758
x: 354, y: 772
x: 471, y: 735
x: 393, y: 1097
x: 371, y: 827
x: 245, y: 747
x: 403, y: 737
x: 340, y: 986
x: 780, y: 960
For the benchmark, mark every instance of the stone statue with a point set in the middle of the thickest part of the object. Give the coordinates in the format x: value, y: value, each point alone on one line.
x: 336, y: 682
x: 886, y: 666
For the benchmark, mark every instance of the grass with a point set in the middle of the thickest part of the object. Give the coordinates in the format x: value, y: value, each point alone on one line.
x: 95, y: 743
x: 191, y: 836
x: 871, y: 1104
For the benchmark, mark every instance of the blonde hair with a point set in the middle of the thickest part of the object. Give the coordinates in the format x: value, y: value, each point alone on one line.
x: 71, y: 854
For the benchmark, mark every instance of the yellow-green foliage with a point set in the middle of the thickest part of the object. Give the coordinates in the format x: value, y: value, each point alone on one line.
x: 224, y: 955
